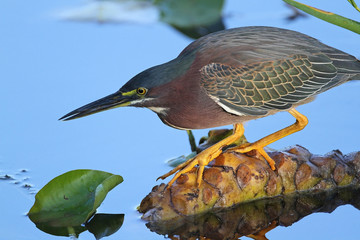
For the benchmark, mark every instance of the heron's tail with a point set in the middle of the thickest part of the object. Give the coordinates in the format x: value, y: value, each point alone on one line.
x: 357, y: 75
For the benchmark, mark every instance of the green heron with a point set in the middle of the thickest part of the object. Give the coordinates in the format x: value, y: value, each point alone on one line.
x: 230, y: 77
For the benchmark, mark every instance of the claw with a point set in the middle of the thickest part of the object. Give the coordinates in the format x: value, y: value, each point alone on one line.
x: 178, y: 168
x: 249, y: 147
x: 186, y: 169
x: 202, y: 159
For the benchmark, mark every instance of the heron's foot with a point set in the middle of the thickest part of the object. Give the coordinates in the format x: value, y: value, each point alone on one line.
x: 247, y: 147
x: 202, y: 159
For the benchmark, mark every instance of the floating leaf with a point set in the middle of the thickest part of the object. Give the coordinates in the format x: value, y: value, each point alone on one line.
x: 70, y: 199
x: 328, y: 16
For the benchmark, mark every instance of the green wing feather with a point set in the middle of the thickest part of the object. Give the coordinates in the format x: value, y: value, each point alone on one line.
x: 272, y: 85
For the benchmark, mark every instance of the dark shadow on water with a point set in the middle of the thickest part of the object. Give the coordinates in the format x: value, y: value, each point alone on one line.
x: 196, y: 32
x: 257, y: 218
x: 101, y: 225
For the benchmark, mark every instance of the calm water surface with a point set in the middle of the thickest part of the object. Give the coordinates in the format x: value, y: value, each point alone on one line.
x: 49, y: 67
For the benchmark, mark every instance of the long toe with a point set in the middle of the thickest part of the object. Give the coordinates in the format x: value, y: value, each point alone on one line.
x: 177, y: 168
x: 184, y: 170
x: 245, y: 148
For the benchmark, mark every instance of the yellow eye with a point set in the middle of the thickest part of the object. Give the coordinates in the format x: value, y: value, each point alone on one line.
x: 141, y: 91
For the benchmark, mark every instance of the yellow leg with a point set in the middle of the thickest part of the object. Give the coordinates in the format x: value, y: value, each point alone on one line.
x: 204, y: 157
x: 301, y: 122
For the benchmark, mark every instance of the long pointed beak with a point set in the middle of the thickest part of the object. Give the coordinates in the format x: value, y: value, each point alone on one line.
x: 114, y: 100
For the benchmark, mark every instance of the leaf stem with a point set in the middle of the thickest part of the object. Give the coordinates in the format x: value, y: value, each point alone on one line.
x: 327, y: 16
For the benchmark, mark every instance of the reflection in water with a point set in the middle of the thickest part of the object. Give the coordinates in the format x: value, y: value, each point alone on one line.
x: 255, y: 219
x: 101, y: 225
x: 296, y: 14
x: 202, y: 30
x: 194, y: 18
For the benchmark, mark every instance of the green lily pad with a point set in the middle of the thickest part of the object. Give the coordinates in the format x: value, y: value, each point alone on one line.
x: 70, y: 199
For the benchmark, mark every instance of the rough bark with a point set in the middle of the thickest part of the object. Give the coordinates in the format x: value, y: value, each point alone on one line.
x: 234, y: 178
